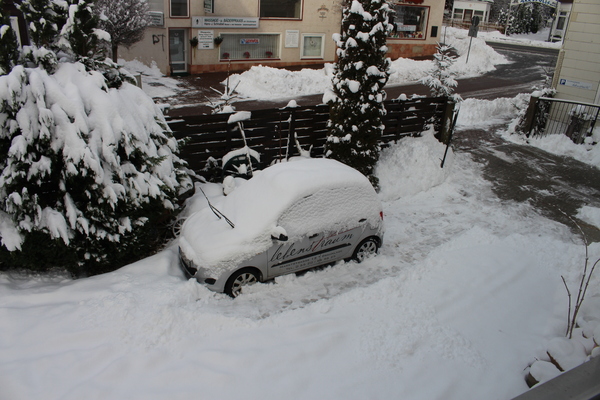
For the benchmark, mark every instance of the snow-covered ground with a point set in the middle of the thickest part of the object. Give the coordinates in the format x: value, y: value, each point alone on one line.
x: 538, y: 39
x: 465, y: 295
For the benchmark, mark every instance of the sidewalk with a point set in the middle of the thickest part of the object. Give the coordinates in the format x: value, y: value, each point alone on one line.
x: 556, y: 186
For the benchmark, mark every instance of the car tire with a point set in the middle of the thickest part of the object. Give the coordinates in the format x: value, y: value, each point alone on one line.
x: 177, y: 225
x: 239, y: 279
x: 366, y: 248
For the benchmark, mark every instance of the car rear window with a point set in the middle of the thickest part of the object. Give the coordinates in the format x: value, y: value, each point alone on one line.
x: 330, y: 210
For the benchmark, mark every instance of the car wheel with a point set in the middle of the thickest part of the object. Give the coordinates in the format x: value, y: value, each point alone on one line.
x: 176, y: 227
x: 366, y: 248
x: 238, y: 280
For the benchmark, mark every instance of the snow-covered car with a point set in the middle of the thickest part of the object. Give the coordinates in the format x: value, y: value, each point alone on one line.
x: 287, y: 218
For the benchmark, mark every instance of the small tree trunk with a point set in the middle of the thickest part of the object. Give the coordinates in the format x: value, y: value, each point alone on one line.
x: 115, y: 48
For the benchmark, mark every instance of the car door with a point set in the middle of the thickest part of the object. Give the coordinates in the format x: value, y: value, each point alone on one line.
x: 285, y: 257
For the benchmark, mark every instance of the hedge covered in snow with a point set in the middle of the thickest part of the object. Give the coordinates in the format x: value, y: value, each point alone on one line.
x: 88, y: 170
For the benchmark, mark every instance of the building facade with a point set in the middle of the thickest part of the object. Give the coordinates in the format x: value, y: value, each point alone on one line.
x: 196, y: 36
x: 560, y: 20
x: 577, y: 74
x: 466, y: 10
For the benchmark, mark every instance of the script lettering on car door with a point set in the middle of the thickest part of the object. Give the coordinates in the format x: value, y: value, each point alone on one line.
x: 309, y: 253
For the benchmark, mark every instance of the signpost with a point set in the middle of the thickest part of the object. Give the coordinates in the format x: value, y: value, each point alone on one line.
x: 472, y: 33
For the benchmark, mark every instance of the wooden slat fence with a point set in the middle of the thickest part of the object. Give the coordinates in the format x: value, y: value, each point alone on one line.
x: 272, y: 132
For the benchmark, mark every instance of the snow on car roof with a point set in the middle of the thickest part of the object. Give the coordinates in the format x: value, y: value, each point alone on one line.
x: 255, y: 206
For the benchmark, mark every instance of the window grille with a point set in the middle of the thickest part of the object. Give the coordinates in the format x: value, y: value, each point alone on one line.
x: 179, y: 8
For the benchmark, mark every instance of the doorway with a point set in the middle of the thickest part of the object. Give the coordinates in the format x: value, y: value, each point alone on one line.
x: 177, y: 50
x: 468, y: 15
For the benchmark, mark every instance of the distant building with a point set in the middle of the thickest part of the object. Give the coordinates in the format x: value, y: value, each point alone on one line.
x: 466, y: 10
x: 277, y: 33
x: 560, y: 20
x: 577, y: 74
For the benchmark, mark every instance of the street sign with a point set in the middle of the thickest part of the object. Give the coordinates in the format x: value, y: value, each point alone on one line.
x: 474, y: 26
x: 549, y: 3
x: 576, y: 84
x: 209, y: 6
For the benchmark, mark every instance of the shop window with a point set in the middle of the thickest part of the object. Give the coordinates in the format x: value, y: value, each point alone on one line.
x: 281, y: 9
x: 410, y: 22
x: 312, y: 46
x: 458, y: 13
x: 240, y: 46
x: 179, y: 8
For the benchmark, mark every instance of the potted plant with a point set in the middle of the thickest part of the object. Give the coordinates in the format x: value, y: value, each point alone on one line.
x: 269, y: 54
x: 194, y: 42
x: 225, y: 56
x: 247, y: 54
x: 218, y: 40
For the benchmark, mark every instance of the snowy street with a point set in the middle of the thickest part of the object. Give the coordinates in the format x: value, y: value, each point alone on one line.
x: 555, y: 185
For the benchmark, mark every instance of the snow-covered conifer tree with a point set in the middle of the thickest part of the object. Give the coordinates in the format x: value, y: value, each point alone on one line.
x: 45, y: 19
x: 8, y: 43
x: 440, y: 79
x: 88, y: 170
x: 362, y: 70
x: 80, y: 33
x: 124, y: 20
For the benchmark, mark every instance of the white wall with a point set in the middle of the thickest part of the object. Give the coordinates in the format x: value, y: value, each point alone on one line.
x: 578, y: 77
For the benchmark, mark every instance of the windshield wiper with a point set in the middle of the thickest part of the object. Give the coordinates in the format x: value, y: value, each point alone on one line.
x: 214, y: 209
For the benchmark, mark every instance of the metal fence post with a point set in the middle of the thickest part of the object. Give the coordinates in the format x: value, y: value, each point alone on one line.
x: 445, y: 129
x: 291, y: 133
x: 530, y: 115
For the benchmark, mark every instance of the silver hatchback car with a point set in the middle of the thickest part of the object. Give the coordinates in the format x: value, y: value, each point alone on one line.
x: 287, y: 218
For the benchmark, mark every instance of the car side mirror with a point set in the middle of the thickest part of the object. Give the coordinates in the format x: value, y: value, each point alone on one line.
x: 279, y: 234
x: 281, y: 238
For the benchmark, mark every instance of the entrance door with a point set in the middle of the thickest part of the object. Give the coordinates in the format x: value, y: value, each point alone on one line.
x: 468, y: 15
x: 177, y: 49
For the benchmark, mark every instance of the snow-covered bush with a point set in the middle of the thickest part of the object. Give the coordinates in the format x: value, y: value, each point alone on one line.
x: 88, y: 170
x: 525, y: 18
x: 87, y: 165
x: 356, y: 100
x: 541, y: 114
